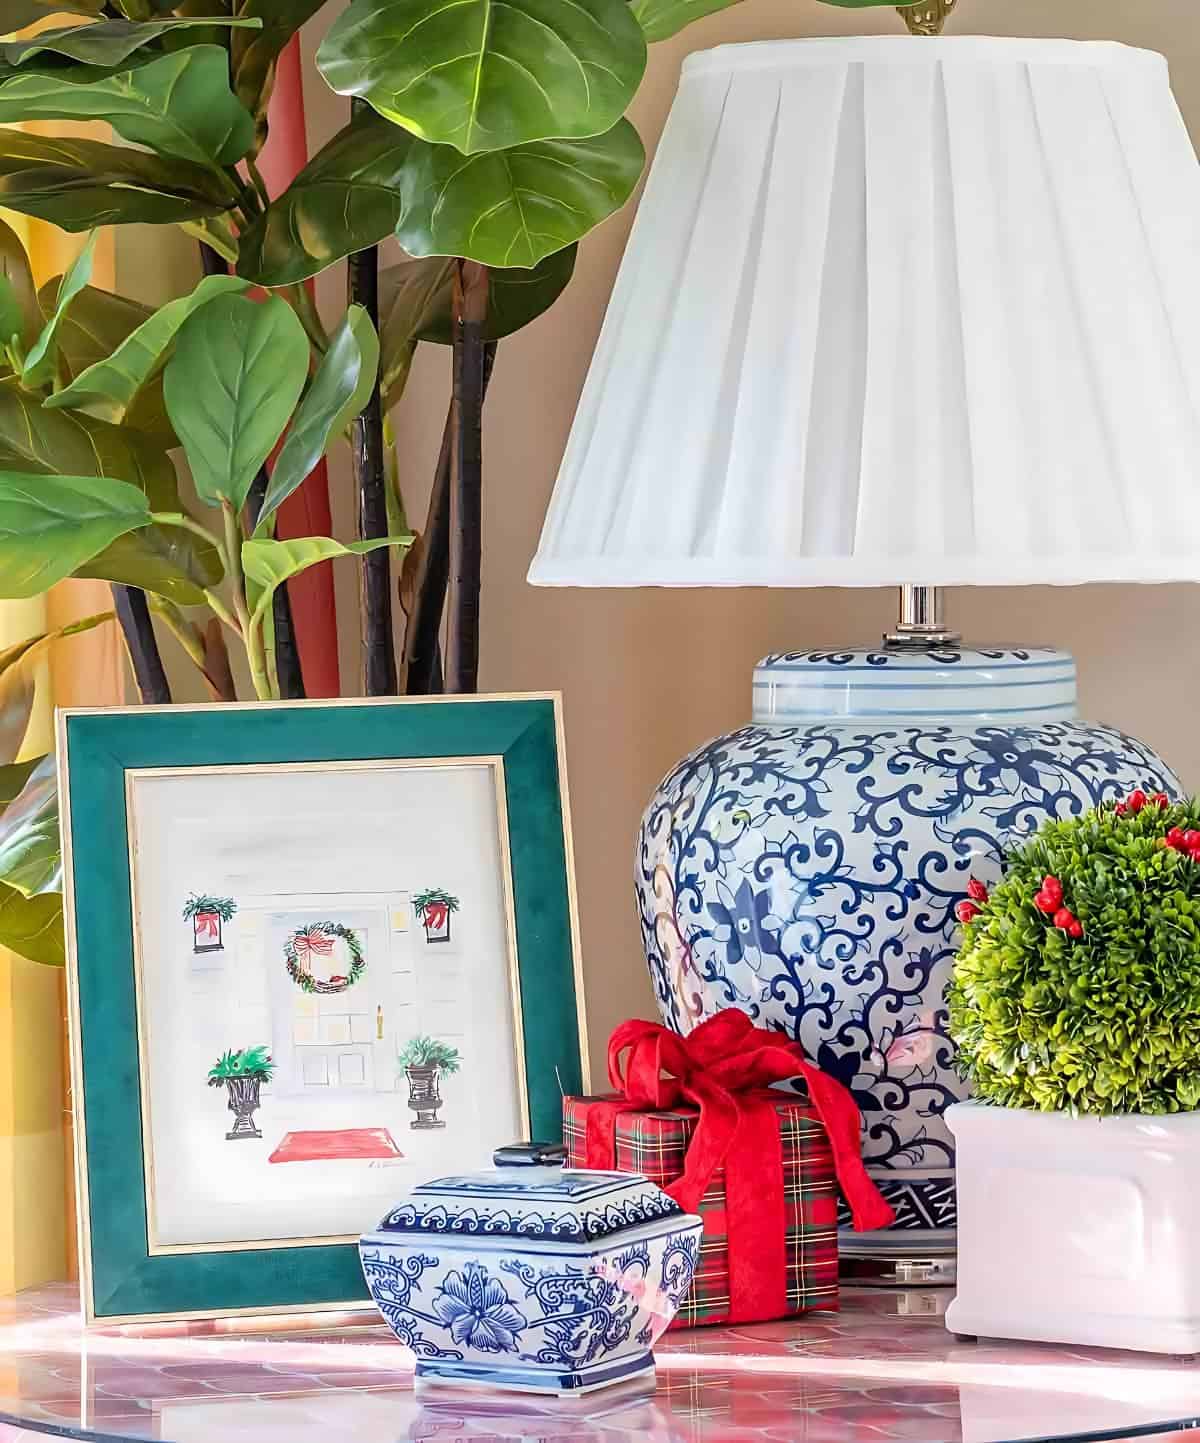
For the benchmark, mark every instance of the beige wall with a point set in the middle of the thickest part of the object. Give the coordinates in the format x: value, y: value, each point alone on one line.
x: 649, y: 675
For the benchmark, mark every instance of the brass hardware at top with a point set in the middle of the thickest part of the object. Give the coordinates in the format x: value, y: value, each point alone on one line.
x: 928, y: 17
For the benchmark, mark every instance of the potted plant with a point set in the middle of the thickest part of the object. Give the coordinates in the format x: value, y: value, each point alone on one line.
x: 434, y: 907
x: 1075, y: 1006
x: 207, y: 916
x: 425, y: 1060
x: 242, y: 1074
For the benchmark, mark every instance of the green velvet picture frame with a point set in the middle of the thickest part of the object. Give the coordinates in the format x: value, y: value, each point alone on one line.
x: 123, y: 1279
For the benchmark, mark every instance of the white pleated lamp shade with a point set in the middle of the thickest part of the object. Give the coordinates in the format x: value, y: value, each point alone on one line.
x: 899, y: 310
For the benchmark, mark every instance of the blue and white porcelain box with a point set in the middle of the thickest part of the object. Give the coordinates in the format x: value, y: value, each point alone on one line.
x: 537, y: 1279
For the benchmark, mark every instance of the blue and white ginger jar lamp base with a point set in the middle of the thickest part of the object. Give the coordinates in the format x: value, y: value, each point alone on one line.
x: 805, y: 868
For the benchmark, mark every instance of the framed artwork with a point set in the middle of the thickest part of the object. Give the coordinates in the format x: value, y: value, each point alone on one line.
x: 318, y: 952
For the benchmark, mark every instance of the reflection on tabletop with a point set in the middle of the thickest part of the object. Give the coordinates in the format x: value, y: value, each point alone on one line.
x: 882, y: 1369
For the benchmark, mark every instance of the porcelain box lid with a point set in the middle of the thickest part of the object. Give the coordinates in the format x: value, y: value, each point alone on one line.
x: 530, y: 1202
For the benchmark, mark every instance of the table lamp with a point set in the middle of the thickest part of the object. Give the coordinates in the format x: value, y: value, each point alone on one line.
x: 894, y: 312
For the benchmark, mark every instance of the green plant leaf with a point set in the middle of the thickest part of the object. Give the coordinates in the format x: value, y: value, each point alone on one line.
x: 11, y: 318
x: 107, y: 43
x: 661, y: 19
x: 40, y: 362
x: 51, y: 525
x: 345, y: 378
x: 346, y: 198
x: 110, y: 388
x: 96, y: 324
x: 19, y: 13
x: 61, y: 442
x: 368, y: 371
x: 82, y: 184
x: 30, y: 860
x: 483, y: 75
x: 268, y: 564
x: 18, y: 691
x: 510, y: 209
x: 416, y: 302
x: 13, y: 778
x: 18, y: 680
x: 178, y: 104
x: 238, y: 370
x: 416, y: 297
x: 253, y: 54
x: 94, y: 327
x: 33, y: 926
x: 515, y: 207
x: 172, y: 562
x: 15, y: 267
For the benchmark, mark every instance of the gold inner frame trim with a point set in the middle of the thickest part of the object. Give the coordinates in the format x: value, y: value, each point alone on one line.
x: 495, y: 765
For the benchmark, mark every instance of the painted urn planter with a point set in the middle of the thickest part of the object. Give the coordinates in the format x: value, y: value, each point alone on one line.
x: 532, y: 1278
x: 424, y: 1097
x: 1078, y: 1229
x: 806, y: 867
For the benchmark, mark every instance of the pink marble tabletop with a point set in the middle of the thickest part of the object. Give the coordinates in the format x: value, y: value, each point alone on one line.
x: 882, y: 1369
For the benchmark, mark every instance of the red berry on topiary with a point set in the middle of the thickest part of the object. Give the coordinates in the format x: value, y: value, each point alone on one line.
x: 966, y: 911
x: 1160, y: 800
x: 1175, y: 839
x: 1075, y: 929
x: 1136, y: 800
x: 1063, y: 918
x: 977, y: 891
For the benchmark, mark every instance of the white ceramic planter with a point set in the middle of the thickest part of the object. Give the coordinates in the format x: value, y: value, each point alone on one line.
x: 1078, y: 1229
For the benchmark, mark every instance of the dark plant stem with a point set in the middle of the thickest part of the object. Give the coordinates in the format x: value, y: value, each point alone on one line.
x: 217, y: 670
x: 287, y: 653
x: 422, y: 645
x: 133, y: 613
x: 466, y: 484
x: 379, y: 651
x: 214, y: 264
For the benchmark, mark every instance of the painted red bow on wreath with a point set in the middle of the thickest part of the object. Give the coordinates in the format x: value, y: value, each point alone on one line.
x: 313, y: 942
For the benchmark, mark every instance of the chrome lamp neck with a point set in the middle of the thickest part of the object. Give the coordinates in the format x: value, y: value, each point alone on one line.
x: 922, y: 623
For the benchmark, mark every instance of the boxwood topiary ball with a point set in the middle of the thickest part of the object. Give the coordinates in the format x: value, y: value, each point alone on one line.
x: 1106, y: 1020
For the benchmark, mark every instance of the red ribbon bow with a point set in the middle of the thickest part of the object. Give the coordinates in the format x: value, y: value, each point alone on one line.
x: 206, y: 924
x: 725, y: 1068
x: 314, y: 943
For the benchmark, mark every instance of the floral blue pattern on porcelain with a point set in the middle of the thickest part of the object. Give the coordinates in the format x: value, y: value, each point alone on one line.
x: 536, y: 1279
x: 805, y: 867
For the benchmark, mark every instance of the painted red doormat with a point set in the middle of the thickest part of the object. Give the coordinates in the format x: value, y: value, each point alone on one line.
x: 346, y: 1142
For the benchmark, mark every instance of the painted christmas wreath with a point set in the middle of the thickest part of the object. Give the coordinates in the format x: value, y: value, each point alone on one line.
x: 316, y: 941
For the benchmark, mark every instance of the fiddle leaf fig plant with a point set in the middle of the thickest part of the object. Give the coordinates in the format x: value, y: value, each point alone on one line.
x: 235, y: 382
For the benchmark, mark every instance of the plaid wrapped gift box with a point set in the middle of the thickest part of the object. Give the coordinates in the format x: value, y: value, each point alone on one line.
x: 654, y: 1144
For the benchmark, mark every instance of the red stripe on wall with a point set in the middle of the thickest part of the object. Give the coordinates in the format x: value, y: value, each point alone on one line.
x: 306, y: 512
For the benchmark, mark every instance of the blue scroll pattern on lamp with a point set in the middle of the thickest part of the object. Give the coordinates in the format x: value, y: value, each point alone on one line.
x: 807, y: 873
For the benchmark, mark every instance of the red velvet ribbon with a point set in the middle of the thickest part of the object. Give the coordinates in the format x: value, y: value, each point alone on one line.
x: 724, y: 1068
